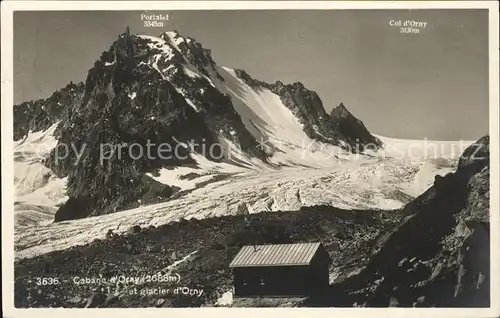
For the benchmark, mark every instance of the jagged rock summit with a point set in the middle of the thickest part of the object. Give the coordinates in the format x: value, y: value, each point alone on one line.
x: 340, y: 112
x: 353, y: 129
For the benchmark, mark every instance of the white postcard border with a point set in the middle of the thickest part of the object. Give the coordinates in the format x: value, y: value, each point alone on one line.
x: 8, y: 7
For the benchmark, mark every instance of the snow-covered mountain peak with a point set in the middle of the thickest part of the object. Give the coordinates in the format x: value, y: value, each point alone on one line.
x: 168, y: 90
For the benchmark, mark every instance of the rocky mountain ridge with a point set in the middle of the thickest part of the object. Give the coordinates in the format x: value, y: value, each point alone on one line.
x: 340, y: 127
x: 40, y: 114
x: 165, y: 90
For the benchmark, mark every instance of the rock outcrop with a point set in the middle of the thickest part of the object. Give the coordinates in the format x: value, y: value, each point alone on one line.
x: 42, y: 113
x: 438, y: 256
x: 352, y: 130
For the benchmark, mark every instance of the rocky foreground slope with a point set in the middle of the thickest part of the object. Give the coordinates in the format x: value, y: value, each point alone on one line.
x: 439, y: 254
x: 432, y: 252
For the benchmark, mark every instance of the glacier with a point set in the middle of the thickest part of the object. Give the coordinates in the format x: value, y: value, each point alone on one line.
x: 300, y: 171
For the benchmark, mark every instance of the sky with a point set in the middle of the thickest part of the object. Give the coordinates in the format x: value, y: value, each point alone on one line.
x: 433, y: 84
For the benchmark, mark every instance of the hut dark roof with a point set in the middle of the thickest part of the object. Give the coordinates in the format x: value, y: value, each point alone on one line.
x: 275, y: 255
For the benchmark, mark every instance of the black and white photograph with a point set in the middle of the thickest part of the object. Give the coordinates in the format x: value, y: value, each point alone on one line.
x: 181, y: 156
